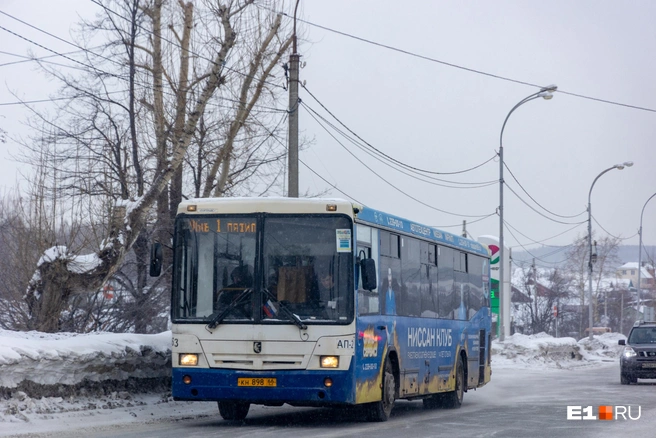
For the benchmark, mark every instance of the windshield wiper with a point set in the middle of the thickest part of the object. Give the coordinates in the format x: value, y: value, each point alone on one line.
x: 217, y: 318
x: 288, y: 313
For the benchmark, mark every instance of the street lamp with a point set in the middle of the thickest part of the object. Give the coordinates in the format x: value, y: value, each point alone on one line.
x: 504, y: 309
x: 640, y: 253
x: 593, y: 257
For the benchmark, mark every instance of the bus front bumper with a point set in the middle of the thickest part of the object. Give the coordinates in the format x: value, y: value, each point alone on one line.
x: 298, y: 388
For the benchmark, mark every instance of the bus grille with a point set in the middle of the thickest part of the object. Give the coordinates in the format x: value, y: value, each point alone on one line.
x: 258, y: 362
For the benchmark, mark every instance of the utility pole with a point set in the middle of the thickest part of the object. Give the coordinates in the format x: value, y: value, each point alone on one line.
x: 640, y: 256
x: 556, y: 314
x: 621, y: 311
x: 534, y: 275
x: 292, y: 152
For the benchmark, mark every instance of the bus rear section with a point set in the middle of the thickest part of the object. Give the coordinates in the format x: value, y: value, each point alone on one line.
x: 426, y: 328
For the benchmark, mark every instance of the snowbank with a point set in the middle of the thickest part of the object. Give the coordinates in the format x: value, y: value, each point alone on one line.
x: 543, y: 350
x: 30, y: 359
x: 602, y: 347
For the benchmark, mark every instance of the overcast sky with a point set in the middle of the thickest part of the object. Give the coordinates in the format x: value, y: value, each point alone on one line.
x: 442, y: 118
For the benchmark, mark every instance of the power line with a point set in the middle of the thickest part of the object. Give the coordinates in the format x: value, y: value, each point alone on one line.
x: 260, y: 108
x: 384, y: 154
x: 313, y: 171
x: 386, y: 181
x: 460, y: 67
x: 540, y: 242
x: 468, y: 223
x: 611, y: 235
x: 31, y: 59
x: 539, y: 212
x: 471, y: 185
x: 359, y: 202
x: 533, y: 199
x: 61, y: 54
x: 103, y: 57
x: 329, y: 183
x: 145, y: 85
x: 529, y: 251
x: 57, y: 38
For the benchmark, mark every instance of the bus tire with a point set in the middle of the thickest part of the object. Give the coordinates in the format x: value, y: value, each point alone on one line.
x: 453, y: 399
x: 381, y: 410
x: 233, y: 411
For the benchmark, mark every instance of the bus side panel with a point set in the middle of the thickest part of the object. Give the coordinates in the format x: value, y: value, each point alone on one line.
x: 427, y: 351
x: 370, y: 353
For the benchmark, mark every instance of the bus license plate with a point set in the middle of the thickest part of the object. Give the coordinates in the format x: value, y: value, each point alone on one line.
x: 649, y: 365
x: 257, y: 381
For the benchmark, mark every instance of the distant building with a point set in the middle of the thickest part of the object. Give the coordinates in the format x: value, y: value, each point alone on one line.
x: 629, y: 271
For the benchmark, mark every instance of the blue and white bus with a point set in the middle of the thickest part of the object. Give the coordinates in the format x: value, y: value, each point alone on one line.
x: 322, y: 302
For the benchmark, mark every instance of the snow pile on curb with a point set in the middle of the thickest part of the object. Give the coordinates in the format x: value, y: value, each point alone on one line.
x: 43, y: 375
x: 32, y: 358
x: 602, y: 347
x: 545, y: 350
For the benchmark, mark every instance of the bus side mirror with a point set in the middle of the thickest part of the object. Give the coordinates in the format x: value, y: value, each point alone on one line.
x: 368, y: 272
x: 155, y: 259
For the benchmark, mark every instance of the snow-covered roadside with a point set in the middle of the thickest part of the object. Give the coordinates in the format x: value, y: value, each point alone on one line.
x: 51, y: 381
x: 545, y: 351
x: 43, y: 376
x: 71, y: 359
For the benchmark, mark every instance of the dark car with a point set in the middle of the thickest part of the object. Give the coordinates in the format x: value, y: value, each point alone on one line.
x: 638, y: 360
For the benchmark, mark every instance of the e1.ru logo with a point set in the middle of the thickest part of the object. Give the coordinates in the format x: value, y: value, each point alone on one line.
x: 605, y: 413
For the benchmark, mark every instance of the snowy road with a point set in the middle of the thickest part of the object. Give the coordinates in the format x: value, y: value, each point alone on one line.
x: 519, y: 402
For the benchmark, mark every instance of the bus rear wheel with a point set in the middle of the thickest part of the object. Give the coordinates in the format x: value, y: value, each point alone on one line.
x: 233, y: 411
x: 453, y: 399
x: 381, y: 410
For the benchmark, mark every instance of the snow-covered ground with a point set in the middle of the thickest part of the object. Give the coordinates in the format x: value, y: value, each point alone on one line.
x: 542, y: 350
x: 50, y: 381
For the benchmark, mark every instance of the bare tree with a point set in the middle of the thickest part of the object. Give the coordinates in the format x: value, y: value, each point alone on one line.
x: 19, y: 249
x: 577, y: 267
x: 124, y: 139
x: 546, y: 289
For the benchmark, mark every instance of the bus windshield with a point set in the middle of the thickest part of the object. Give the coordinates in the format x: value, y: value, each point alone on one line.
x: 268, y: 269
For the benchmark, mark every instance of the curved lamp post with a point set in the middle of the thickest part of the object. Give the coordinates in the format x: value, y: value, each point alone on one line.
x: 593, y: 257
x: 640, y: 253
x: 504, y: 308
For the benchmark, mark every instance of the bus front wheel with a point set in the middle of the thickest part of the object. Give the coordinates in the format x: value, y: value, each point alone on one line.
x: 233, y: 411
x: 381, y: 410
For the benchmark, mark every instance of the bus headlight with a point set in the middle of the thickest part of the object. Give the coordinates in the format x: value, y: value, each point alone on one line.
x: 329, y: 361
x: 188, y: 360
